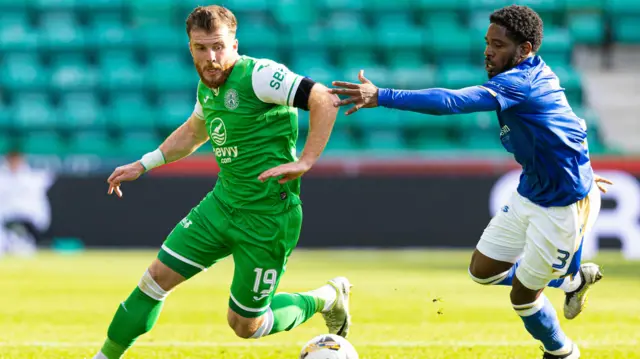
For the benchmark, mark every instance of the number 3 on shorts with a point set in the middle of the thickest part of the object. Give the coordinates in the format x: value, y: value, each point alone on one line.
x: 269, y: 277
x: 563, y: 256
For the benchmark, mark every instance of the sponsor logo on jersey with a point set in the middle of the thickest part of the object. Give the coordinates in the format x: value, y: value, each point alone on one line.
x: 218, y: 131
x: 231, y: 99
x: 505, y: 130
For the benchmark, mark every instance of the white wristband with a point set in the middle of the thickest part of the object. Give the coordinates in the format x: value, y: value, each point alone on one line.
x: 152, y: 160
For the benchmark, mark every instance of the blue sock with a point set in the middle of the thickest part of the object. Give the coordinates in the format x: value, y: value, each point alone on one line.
x: 542, y: 323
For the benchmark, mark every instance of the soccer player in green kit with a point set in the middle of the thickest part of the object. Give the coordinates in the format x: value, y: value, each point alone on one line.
x: 247, y: 108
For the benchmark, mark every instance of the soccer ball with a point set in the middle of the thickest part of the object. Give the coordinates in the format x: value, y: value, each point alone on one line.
x: 328, y: 346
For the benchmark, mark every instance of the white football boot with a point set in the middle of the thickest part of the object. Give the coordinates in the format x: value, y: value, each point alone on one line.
x: 576, y: 301
x: 337, y: 318
x: 575, y: 354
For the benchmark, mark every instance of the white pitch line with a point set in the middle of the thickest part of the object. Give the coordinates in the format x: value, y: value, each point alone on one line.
x: 414, y: 344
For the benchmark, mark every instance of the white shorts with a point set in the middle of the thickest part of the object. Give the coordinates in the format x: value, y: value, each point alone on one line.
x: 545, y: 238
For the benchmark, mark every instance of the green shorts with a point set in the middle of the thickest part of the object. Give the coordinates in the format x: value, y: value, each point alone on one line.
x: 259, y: 243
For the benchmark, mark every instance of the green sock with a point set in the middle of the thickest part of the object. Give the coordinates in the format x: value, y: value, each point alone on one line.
x: 134, y: 317
x: 290, y: 310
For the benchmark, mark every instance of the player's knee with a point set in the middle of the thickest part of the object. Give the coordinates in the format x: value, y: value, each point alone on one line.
x: 164, y: 276
x: 521, y: 295
x: 486, y: 271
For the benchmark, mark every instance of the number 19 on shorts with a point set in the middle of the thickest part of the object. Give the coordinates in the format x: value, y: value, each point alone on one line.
x: 264, y: 277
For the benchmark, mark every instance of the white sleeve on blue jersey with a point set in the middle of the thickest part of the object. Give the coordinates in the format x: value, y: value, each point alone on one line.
x: 274, y: 83
x: 197, y: 109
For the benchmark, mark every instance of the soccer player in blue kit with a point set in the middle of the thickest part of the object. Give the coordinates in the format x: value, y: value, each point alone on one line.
x: 536, y: 239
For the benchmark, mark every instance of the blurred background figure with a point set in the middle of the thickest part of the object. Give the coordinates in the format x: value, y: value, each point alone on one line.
x: 25, y: 213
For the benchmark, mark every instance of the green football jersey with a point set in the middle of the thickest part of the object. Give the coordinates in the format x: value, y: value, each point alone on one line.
x: 253, y: 126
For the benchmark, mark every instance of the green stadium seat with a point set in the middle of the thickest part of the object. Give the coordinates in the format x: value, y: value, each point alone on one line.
x: 484, y: 141
x: 174, y: 109
x: 325, y: 6
x: 348, y: 31
x: 571, y: 81
x: 306, y: 37
x: 15, y: 17
x: 385, y: 6
x: 404, y: 58
x: 6, y: 118
x: 131, y: 111
x: 393, y: 36
x: 52, y: 5
x: 136, y: 144
x: 383, y: 142
x: 459, y: 76
x: 248, y: 5
x: 584, y: 5
x: 294, y: 14
x: 23, y: 71
x: 323, y: 75
x: 439, y: 5
x: 71, y: 72
x: 302, y: 60
x: 13, y: 4
x: 101, y: 6
x: 626, y: 29
x: 340, y: 141
x: 314, y: 64
x: 413, y: 78
x: 60, y: 31
x: 92, y: 143
x: 5, y: 143
x: 153, y: 12
x: 479, y: 22
x: 589, y: 116
x: 453, y: 46
x: 120, y: 71
x: 557, y: 45
x: 378, y: 119
x: 15, y: 35
x: 586, y: 28
x: 43, y: 143
x: 170, y: 70
x: 479, y: 131
x: 34, y: 111
x: 487, y: 5
x: 258, y: 35
x: 545, y: 8
x: 109, y: 32
x: 623, y: 7
x: 79, y: 111
x: 156, y: 37
x: 357, y: 59
x: 435, y: 141
x: 267, y: 53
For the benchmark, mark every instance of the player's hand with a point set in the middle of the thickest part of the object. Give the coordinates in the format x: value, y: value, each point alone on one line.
x: 363, y: 95
x: 601, y: 181
x: 288, y: 171
x: 125, y: 173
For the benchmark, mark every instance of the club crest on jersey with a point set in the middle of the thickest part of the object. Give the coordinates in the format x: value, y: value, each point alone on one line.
x: 218, y: 131
x: 231, y: 99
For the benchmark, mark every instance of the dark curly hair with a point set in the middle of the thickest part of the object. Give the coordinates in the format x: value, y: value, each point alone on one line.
x: 522, y: 24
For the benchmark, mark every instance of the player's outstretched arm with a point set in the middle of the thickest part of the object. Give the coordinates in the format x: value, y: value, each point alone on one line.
x: 182, y: 142
x: 322, y: 117
x: 435, y: 101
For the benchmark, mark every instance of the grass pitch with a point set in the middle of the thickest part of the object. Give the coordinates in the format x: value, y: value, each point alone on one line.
x: 406, y: 304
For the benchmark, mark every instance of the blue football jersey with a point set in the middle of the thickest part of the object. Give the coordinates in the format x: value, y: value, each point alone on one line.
x: 546, y: 138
